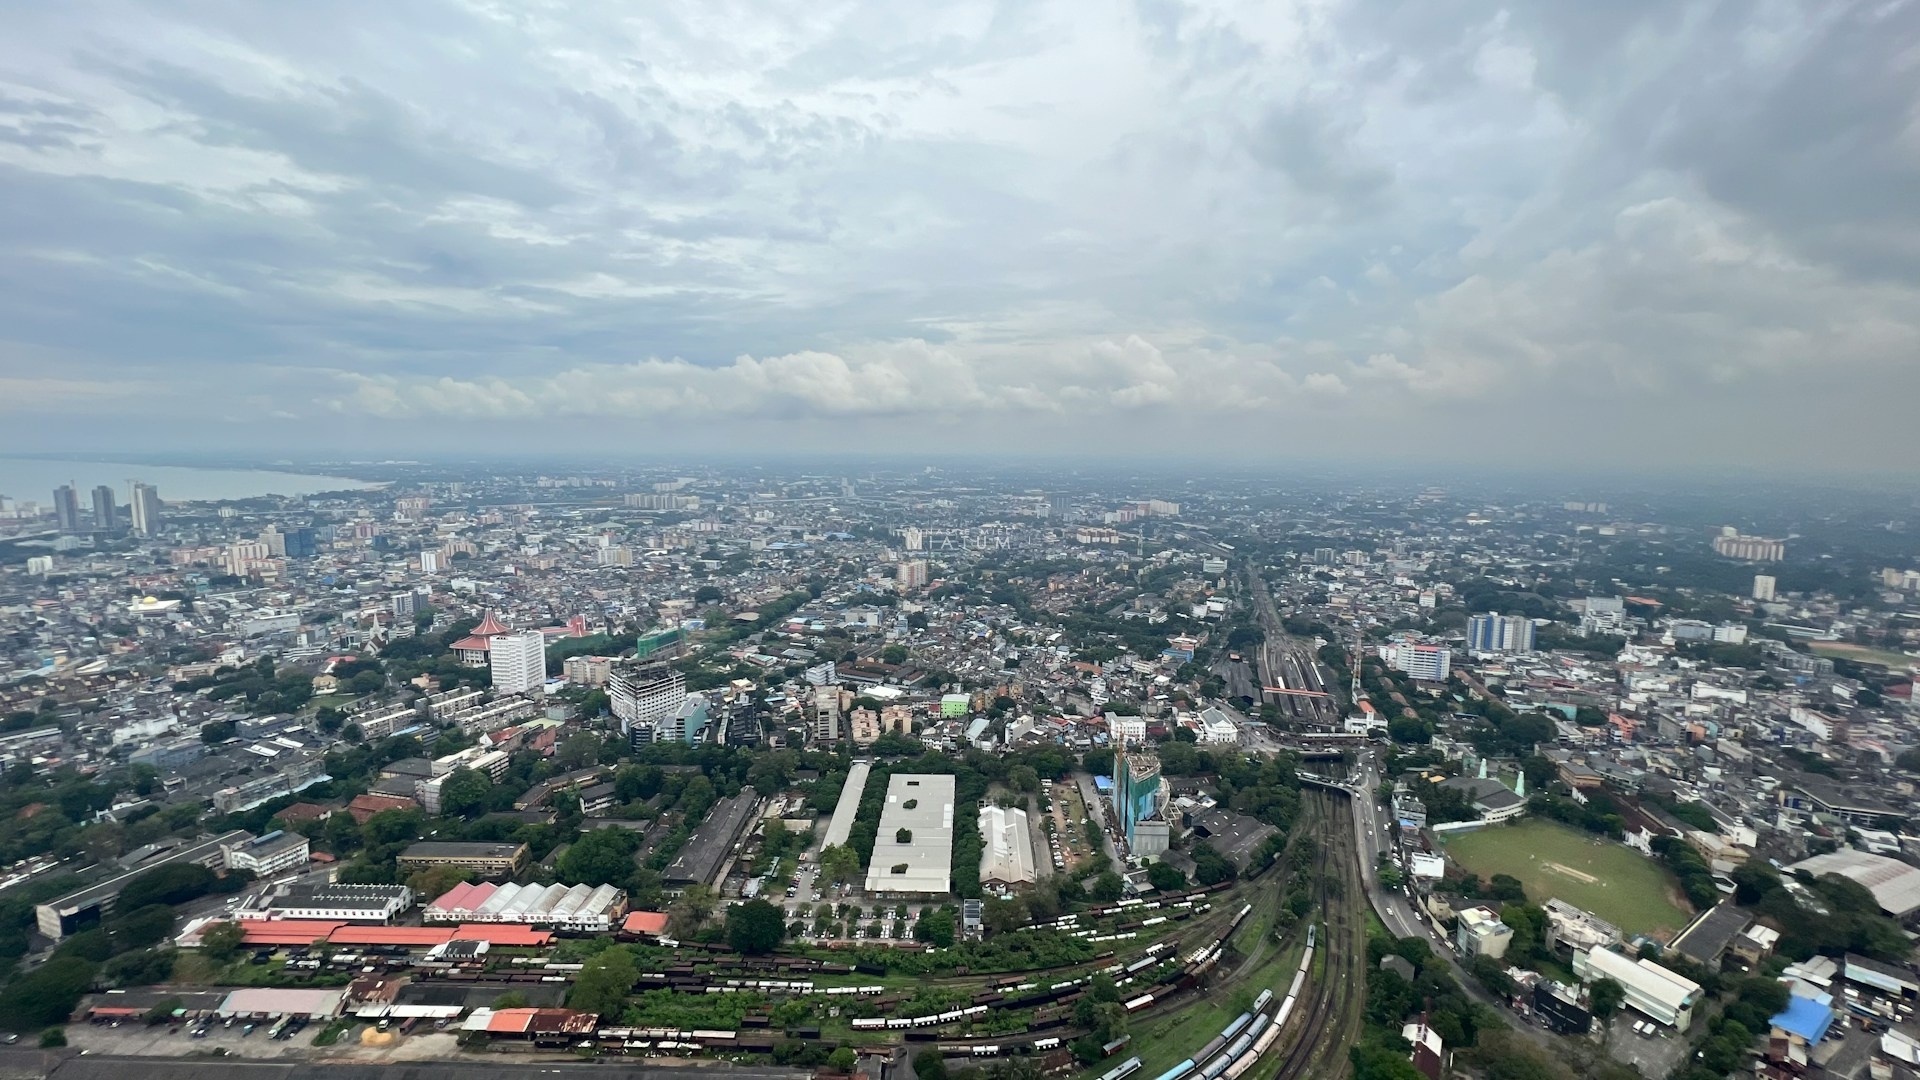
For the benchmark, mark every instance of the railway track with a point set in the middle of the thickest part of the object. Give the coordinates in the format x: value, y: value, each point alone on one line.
x: 1330, y: 1014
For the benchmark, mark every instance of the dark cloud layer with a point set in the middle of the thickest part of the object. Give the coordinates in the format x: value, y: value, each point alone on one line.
x: 1678, y: 231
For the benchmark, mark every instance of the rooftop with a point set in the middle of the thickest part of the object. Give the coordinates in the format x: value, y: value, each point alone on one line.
x: 924, y: 863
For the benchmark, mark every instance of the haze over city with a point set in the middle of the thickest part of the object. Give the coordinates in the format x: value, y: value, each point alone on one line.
x: 1662, y: 234
x: 990, y: 540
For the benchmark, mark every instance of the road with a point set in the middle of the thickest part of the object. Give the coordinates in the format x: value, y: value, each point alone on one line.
x: 1095, y: 809
x: 1395, y: 909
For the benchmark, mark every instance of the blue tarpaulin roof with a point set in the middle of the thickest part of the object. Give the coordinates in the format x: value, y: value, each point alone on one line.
x: 1103, y: 783
x: 1807, y: 1017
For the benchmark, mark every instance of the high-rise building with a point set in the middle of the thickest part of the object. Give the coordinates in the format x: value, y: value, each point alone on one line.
x: 1430, y: 663
x: 646, y: 696
x: 66, y: 508
x: 300, y: 543
x: 146, y: 509
x: 1490, y: 633
x: 519, y: 662
x: 105, y: 517
x: 911, y: 574
x: 1732, y: 544
x: 429, y: 562
x: 275, y: 540
x: 1136, y: 790
x: 1763, y: 587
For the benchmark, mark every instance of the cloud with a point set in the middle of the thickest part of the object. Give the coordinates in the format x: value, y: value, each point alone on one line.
x: 1011, y: 224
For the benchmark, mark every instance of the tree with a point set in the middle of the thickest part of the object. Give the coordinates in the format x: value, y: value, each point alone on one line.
x: 1107, y: 888
x: 512, y: 999
x: 141, y: 927
x: 175, y: 884
x: 218, y: 731
x: 1210, y: 867
x: 691, y: 910
x: 435, y: 881
x: 928, y: 1064
x: 843, y: 1060
x: 839, y: 864
x: 222, y: 940
x: 466, y: 793
x: 1165, y: 877
x: 755, y: 927
x: 578, y: 751
x: 47, y: 995
x: 1024, y: 778
x: 935, y: 928
x: 601, y: 857
x: 903, y: 836
x: 1607, y: 998
x: 604, y: 982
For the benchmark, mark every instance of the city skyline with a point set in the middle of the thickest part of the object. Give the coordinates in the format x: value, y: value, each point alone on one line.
x: 1344, y: 231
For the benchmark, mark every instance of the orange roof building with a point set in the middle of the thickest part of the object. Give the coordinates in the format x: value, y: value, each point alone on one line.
x: 645, y: 922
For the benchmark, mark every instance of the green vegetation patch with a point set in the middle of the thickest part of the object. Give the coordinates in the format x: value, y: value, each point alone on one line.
x: 1612, y: 881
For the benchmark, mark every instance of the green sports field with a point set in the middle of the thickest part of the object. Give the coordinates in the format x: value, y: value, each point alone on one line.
x: 1614, y: 882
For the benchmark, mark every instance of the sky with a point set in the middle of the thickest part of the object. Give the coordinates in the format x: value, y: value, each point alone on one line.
x: 1652, y: 233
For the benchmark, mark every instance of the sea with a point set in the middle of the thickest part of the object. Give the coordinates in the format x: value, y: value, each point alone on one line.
x: 33, y: 479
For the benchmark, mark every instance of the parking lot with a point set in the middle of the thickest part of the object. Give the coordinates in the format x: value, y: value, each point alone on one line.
x: 136, y: 1038
x: 1654, y: 1055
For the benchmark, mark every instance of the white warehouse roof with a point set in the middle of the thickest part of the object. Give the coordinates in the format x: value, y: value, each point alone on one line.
x: 1007, y: 853
x: 924, y: 864
x: 1895, y: 885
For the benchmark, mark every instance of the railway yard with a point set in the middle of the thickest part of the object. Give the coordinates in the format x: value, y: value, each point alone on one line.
x: 1171, y: 966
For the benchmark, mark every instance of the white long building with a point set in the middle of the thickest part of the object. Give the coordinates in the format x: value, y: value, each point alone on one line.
x: 1006, y: 856
x: 913, y: 853
x: 1663, y: 996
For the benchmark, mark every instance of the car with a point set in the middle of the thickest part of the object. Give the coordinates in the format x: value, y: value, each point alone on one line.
x: 11, y: 1038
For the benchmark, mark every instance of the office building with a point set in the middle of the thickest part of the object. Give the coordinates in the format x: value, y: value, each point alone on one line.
x: 1136, y: 790
x: 519, y: 662
x: 1763, y: 587
x: 1429, y: 663
x: 145, y: 505
x: 106, y: 517
x: 66, y: 509
x: 269, y: 854
x: 911, y: 574
x: 300, y: 543
x: 485, y: 859
x: 1663, y: 996
x: 1492, y: 633
x: 1732, y: 544
x: 645, y: 696
x: 587, y: 670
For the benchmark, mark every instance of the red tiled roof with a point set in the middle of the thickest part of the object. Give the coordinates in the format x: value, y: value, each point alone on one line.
x: 473, y: 644
x: 645, y: 922
x: 489, y: 626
